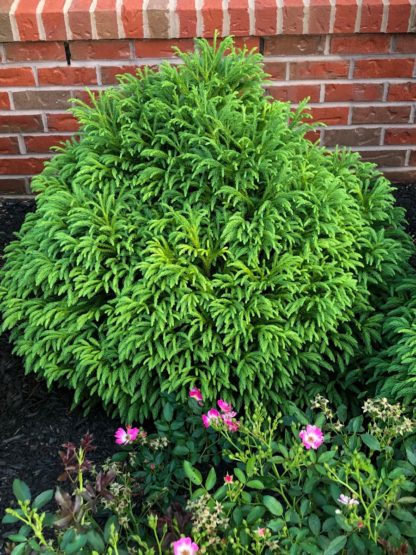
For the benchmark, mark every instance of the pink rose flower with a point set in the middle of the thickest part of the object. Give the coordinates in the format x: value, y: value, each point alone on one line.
x: 261, y: 531
x: 196, y: 394
x: 185, y: 546
x: 228, y: 479
x: 225, y: 407
x: 312, y: 437
x: 232, y: 425
x: 124, y: 437
x: 211, y: 415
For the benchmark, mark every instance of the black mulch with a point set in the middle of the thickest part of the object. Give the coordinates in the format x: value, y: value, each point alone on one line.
x: 34, y: 422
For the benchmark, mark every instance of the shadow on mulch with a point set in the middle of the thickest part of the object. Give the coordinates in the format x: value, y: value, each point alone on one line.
x: 34, y: 422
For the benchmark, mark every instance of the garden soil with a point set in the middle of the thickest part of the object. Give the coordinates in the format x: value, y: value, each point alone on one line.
x: 35, y: 422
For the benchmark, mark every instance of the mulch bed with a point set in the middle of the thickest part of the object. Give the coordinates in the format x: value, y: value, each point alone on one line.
x: 35, y: 422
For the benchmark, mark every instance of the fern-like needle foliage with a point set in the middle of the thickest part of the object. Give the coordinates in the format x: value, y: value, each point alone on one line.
x: 194, y: 236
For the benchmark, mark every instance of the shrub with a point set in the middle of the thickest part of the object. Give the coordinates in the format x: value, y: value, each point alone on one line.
x: 344, y: 486
x: 194, y: 235
x: 393, y: 368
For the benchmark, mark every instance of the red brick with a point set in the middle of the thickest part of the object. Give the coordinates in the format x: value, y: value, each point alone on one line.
x: 371, y: 16
x: 16, y: 77
x: 79, y: 19
x: 289, y: 45
x: 109, y: 73
x: 383, y: 67
x: 397, y: 136
x: 21, y: 166
x: 9, y: 145
x: 400, y: 175
x: 381, y: 114
x: 42, y: 99
x: 265, y: 17
x: 105, y: 19
x: 4, y: 101
x: 161, y: 48
x: 352, y: 137
x: 34, y: 51
x: 12, y: 186
x: 348, y: 92
x: 132, y: 18
x: 186, y: 12
x: 360, y: 44
x: 100, y: 50
x: 330, y: 115
x: 212, y: 17
x: 53, y: 19
x: 389, y: 158
x: 6, y: 33
x: 313, y: 136
x: 406, y: 43
x: 239, y: 17
x: 319, y: 70
x: 62, y: 122
x: 345, y: 16
x: 16, y: 123
x: 402, y: 92
x: 67, y: 75
x: 399, y: 15
x: 295, y: 93
x: 158, y: 19
x: 319, y: 16
x: 412, y: 160
x: 247, y: 42
x: 26, y: 20
x: 276, y: 70
x: 293, y: 17
x: 42, y: 143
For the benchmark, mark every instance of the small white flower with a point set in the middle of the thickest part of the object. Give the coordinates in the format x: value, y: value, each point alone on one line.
x: 346, y: 500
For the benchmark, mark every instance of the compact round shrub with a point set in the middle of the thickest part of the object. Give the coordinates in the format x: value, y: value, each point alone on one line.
x: 193, y: 236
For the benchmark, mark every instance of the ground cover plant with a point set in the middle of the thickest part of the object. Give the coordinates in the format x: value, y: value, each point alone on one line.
x: 314, y: 482
x: 193, y: 235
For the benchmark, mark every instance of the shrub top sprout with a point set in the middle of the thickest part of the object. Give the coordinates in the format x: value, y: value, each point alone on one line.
x: 194, y: 236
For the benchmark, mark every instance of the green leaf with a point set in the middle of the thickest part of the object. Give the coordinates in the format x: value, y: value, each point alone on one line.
x: 111, y: 522
x: 336, y: 545
x: 273, y: 505
x: 371, y: 442
x: 168, y: 412
x: 21, y: 490
x: 9, y: 519
x: 42, y: 499
x: 192, y: 473
x: 314, y: 524
x: 255, y: 514
x: 181, y: 451
x: 241, y: 477
x: 411, y: 456
x: 276, y: 524
x: 255, y: 484
x: 211, y: 479
x: 96, y: 541
x: 19, y: 549
x: 326, y: 457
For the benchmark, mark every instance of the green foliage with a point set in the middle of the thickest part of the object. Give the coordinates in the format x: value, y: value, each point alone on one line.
x: 353, y: 494
x: 194, y: 235
x: 393, y: 368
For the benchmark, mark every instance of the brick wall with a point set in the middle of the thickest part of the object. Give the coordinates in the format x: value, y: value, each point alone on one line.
x: 355, y: 60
